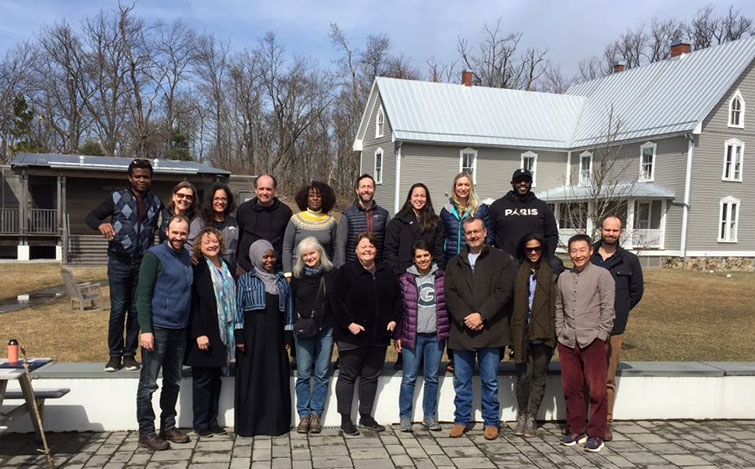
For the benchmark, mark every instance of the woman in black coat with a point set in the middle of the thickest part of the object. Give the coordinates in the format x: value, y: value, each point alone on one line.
x: 366, y: 302
x: 211, y: 329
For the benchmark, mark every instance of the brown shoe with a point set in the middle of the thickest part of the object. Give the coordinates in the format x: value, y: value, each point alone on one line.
x: 458, y: 430
x: 303, y: 426
x: 174, y: 435
x: 491, y: 433
x: 609, y: 432
x: 314, y: 423
x: 153, y: 442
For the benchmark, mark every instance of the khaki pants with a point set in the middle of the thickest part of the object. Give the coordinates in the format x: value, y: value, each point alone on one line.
x: 614, y: 351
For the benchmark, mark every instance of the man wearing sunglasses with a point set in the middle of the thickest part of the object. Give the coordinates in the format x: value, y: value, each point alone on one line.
x: 130, y: 231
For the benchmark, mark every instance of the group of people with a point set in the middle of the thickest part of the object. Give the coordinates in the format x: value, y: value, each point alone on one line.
x: 476, y: 279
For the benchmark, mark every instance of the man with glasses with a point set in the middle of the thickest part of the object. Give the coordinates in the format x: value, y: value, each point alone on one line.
x: 133, y: 215
x: 479, y: 284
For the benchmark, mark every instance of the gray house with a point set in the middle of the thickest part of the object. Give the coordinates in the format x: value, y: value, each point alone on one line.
x: 676, y: 132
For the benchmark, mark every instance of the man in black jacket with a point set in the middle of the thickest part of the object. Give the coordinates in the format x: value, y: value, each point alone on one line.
x: 263, y: 217
x: 519, y: 212
x: 627, y: 274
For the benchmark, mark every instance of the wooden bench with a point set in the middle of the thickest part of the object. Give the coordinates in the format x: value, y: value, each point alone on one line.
x: 81, y: 292
x: 40, y: 395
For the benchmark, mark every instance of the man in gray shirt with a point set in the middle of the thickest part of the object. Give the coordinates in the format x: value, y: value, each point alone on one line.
x: 584, y: 319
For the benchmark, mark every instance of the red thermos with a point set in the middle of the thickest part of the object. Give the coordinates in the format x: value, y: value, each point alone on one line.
x: 13, y: 351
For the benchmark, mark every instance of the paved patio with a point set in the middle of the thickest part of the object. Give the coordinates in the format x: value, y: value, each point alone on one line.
x: 636, y: 444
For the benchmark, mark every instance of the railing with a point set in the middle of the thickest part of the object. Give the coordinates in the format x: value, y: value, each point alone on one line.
x: 43, y: 221
x: 646, y: 239
x: 9, y: 221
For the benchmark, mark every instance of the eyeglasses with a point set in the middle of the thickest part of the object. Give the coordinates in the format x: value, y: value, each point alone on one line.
x: 180, y: 195
x: 535, y: 249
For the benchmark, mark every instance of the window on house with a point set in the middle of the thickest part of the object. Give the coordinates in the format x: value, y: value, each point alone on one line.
x: 378, y: 174
x: 379, y: 122
x: 737, y: 111
x: 468, y: 162
x: 647, y: 161
x: 729, y: 220
x: 529, y: 162
x: 572, y: 216
x: 733, y: 160
x: 585, y: 168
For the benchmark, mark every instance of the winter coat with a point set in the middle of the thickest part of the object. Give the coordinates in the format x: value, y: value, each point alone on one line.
x: 204, y: 321
x: 452, y: 225
x: 372, y: 302
x: 401, y: 233
x: 542, y: 325
x: 627, y: 275
x: 304, y: 290
x: 259, y: 222
x: 407, y: 328
x: 487, y: 291
x: 513, y: 218
x: 356, y: 219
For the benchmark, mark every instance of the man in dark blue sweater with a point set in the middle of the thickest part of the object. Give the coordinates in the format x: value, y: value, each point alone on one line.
x: 164, y: 304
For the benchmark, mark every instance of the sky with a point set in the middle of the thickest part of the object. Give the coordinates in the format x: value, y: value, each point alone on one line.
x: 570, y: 30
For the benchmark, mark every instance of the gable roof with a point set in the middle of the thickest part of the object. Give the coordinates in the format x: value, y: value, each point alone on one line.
x: 111, y: 163
x: 671, y: 96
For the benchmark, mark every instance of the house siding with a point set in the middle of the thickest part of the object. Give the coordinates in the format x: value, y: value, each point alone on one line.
x: 383, y: 192
x: 707, y: 186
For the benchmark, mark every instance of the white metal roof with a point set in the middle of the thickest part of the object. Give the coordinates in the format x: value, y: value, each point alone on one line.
x: 111, y: 163
x: 666, y: 97
x: 639, y: 190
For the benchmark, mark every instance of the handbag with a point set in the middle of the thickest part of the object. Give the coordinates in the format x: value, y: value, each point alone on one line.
x: 306, y: 327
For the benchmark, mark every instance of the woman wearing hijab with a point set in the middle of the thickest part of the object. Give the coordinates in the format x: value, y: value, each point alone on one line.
x: 211, y: 329
x: 264, y: 325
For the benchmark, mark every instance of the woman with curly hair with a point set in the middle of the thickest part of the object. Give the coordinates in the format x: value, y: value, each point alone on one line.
x: 315, y: 201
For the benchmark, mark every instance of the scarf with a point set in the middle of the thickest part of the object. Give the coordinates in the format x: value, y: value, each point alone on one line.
x: 256, y: 251
x: 225, y: 299
x: 312, y: 271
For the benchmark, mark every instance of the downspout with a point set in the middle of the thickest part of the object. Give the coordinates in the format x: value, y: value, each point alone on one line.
x: 687, y: 196
x: 396, y: 190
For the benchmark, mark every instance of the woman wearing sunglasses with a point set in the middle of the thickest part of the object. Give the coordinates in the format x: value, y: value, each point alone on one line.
x: 533, y: 328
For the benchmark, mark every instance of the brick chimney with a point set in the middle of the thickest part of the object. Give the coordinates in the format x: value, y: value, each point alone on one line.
x: 466, y: 78
x: 618, y: 66
x: 679, y: 47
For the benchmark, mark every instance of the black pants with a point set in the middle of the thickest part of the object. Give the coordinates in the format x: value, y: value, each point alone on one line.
x: 365, y: 363
x: 530, y: 378
x: 205, y: 386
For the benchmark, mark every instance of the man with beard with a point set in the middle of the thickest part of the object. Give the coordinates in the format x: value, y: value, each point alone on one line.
x: 263, y: 217
x: 128, y: 220
x: 363, y: 215
x: 164, y: 304
x: 627, y: 274
x: 519, y: 212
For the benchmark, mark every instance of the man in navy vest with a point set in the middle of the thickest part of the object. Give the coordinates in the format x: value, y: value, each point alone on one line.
x: 130, y: 231
x: 164, y: 304
x: 363, y: 215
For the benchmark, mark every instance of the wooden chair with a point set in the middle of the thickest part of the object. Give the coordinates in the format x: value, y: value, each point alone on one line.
x: 81, y: 292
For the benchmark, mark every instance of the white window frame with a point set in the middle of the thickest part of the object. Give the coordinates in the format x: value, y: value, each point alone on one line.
x: 533, y: 170
x: 380, y: 123
x: 648, y: 220
x: 645, y: 145
x: 733, y: 143
x: 474, y: 162
x: 378, y: 171
x: 737, y: 97
x: 730, y: 229
x: 582, y: 181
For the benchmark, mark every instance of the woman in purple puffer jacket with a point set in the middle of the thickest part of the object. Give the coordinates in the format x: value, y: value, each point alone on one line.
x: 421, y: 335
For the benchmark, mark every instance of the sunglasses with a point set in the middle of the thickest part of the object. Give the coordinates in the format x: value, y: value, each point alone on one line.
x: 535, y: 249
x: 184, y: 196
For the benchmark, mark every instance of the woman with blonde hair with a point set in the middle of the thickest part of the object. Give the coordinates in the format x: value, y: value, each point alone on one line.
x: 311, y: 285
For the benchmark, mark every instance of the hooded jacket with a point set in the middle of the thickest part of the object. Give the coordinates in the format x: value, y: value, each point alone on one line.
x: 452, y: 225
x: 514, y: 217
x: 627, y: 275
x: 255, y: 222
x: 407, y: 328
x: 487, y: 291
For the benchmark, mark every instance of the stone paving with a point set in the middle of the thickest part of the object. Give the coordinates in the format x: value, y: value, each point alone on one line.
x: 644, y: 444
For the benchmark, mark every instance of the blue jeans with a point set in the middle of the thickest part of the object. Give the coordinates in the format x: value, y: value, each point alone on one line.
x: 122, y: 278
x: 427, y: 349
x: 168, y: 354
x: 313, y: 351
x: 464, y: 361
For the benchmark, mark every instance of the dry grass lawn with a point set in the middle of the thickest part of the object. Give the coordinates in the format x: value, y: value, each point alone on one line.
x: 20, y: 278
x: 684, y: 316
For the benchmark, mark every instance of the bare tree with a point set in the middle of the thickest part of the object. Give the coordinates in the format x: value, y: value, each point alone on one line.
x: 211, y: 69
x: 13, y: 82
x: 445, y: 73
x: 662, y: 34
